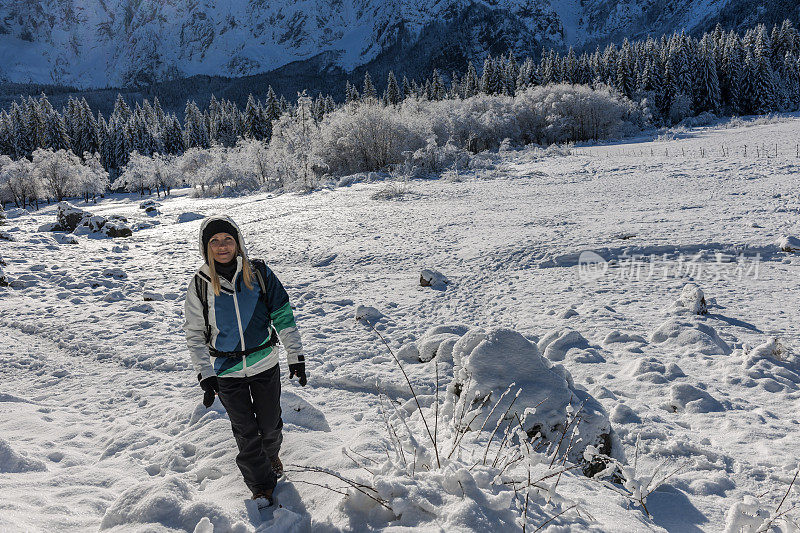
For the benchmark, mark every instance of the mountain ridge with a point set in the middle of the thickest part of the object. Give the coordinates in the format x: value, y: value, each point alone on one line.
x: 136, y: 43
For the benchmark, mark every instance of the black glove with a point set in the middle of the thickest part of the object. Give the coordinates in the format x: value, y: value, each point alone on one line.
x: 299, y: 370
x: 211, y: 386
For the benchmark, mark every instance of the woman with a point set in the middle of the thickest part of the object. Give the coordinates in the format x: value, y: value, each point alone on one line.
x: 236, y: 311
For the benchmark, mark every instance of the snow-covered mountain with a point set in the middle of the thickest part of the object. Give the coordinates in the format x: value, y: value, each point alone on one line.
x: 95, y: 43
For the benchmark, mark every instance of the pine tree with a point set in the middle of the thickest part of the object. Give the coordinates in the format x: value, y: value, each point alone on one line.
x: 393, y: 96
x: 195, y: 127
x: 253, y: 128
x: 369, y: 92
x: 791, y: 82
x: 438, y: 91
x: 173, y: 136
x: 121, y: 109
x: 706, y: 84
x: 625, y: 77
x: 350, y: 93
x: 272, y: 107
x: 510, y: 73
x: 471, y: 82
x: 407, y: 90
x: 765, y: 98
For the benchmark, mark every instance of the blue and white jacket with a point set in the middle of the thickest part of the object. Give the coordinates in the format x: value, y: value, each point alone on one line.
x: 240, y: 319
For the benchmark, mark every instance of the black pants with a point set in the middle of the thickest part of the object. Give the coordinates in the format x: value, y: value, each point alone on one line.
x: 253, y: 404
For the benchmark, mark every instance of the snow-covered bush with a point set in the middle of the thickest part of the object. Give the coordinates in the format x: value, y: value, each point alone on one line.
x: 367, y: 137
x: 438, y: 342
x: 789, y: 243
x: 541, y: 397
x: 567, y: 113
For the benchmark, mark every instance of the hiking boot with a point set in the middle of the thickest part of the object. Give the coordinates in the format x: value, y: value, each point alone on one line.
x: 265, y: 494
x: 277, y: 466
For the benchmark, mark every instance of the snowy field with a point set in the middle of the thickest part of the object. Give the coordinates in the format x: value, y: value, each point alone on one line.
x: 101, y: 425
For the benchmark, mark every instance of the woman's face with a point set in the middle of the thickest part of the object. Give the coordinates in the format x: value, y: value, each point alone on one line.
x: 223, y: 245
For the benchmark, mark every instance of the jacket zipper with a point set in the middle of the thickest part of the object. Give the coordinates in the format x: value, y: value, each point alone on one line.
x: 239, y: 321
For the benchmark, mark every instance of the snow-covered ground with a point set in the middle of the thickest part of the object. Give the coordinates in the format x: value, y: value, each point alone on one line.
x: 101, y: 424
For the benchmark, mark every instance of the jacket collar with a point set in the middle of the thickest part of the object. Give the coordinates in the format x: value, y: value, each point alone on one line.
x: 224, y: 283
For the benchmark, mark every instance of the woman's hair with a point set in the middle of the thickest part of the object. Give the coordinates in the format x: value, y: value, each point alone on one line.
x: 247, y: 271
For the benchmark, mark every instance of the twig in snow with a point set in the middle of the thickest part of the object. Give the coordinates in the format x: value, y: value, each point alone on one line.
x: 497, y: 426
x: 411, y: 388
x: 554, y: 517
x: 360, y: 487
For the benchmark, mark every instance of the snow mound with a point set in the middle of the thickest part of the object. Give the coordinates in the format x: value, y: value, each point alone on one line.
x: 651, y: 370
x: 619, y: 337
x: 65, y: 238
x: 11, y: 462
x: 3, y: 279
x: 544, y: 396
x: 150, y: 207
x: 455, y: 497
x: 692, y: 301
x: 622, y: 414
x: 773, y: 367
x: 690, y: 335
x: 166, y: 502
x: 189, y: 216
x: 557, y: 344
x: 438, y: 342
x: 16, y: 212
x: 300, y: 412
x: 152, y: 296
x: 433, y: 279
x: 690, y: 399
x: 409, y: 353
x: 789, y: 243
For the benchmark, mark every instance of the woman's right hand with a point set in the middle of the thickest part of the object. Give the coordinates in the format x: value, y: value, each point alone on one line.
x: 211, y: 387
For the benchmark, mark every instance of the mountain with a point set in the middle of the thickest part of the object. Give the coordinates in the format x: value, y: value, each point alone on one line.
x: 135, y: 43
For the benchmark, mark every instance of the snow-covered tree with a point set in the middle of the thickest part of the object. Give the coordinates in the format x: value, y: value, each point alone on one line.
x: 92, y: 178
x: 58, y: 172
x: 18, y: 180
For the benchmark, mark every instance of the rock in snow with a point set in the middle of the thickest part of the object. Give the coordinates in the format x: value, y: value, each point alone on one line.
x: 789, y: 243
x: 433, y: 279
x: 71, y: 219
x: 692, y: 301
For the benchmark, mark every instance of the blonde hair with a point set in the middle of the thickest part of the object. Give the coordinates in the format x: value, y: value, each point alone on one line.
x: 247, y: 270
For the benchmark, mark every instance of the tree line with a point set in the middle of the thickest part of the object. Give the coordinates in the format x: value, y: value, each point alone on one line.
x: 671, y: 78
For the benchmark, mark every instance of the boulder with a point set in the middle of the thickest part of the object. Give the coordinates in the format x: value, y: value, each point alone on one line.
x: 69, y: 217
x: 692, y: 301
x: 433, y: 279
